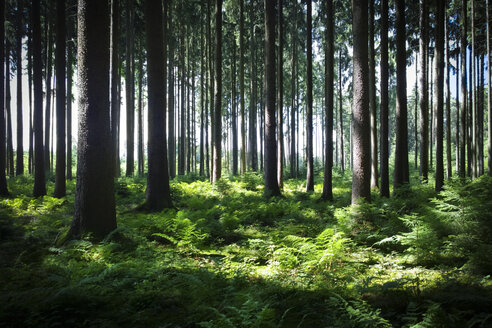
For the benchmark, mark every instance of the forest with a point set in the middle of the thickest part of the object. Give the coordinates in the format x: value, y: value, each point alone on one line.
x: 245, y: 163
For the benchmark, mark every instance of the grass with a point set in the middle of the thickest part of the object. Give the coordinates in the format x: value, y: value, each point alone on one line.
x: 228, y: 257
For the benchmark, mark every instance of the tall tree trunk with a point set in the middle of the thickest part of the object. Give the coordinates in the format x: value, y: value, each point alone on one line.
x: 293, y: 108
x: 60, y: 65
x: 458, y: 126
x: 234, y: 111
x: 158, y: 194
x: 130, y: 90
x: 35, y: 5
x: 140, y: 141
x: 401, y: 151
x: 280, y: 96
x: 20, y: 147
x: 47, y: 114
x: 39, y: 172
x: 29, y: 77
x: 361, y: 178
x: 115, y: 85
x: 202, y: 93
x: 489, y: 90
x: 94, y: 198
x: 473, y: 110
x: 449, y: 170
x: 415, y: 115
x: 464, y: 103
x: 431, y: 109
x: 253, y: 150
x: 309, y: 99
x: 70, y: 63
x: 171, y: 133
x: 217, y: 146
x: 372, y: 99
x: 383, y: 111
x: 329, y: 79
x: 340, y: 112
x: 271, y: 182
x: 480, y: 113
x: 241, y: 86
x: 182, y: 118
x: 10, y: 148
x: 439, y: 86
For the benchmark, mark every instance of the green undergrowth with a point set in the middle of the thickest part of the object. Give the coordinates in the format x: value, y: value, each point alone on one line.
x: 225, y: 256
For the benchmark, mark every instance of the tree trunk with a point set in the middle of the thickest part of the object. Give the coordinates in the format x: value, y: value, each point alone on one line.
x: 415, y: 115
x: 171, y: 133
x: 39, y: 172
x: 182, y: 118
x: 29, y: 76
x: 115, y: 85
x: 19, y: 170
x: 202, y: 93
x: 94, y: 198
x: 340, y: 113
x: 280, y: 96
x: 361, y: 178
x: 70, y: 63
x: 372, y: 99
x: 140, y: 141
x: 458, y: 126
x: 253, y: 150
x: 424, y: 93
x: 47, y: 115
x: 449, y: 170
x: 241, y: 86
x: 480, y: 101
x: 234, y: 111
x: 309, y: 99
x: 431, y: 110
x: 401, y: 151
x: 439, y: 95
x: 383, y: 111
x: 60, y: 65
x: 10, y: 148
x: 329, y: 63
x: 464, y: 103
x: 489, y: 90
x: 271, y: 182
x: 473, y: 111
x: 130, y: 90
x: 217, y: 145
x: 35, y: 16
x: 158, y: 194
x: 293, y: 108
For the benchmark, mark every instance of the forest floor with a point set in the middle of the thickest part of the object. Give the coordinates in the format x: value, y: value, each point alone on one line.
x: 228, y: 257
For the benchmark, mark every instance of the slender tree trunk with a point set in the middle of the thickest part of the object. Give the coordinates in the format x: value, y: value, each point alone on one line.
x: 458, y: 126
x: 340, y: 112
x: 271, y: 182
x: 293, y: 108
x: 401, y: 151
x: 383, y: 111
x: 20, y: 147
x: 241, y: 86
x: 415, y: 115
x: 253, y: 152
x: 439, y: 89
x: 94, y: 199
x: 361, y: 178
x: 474, y: 96
x: 35, y: 11
x: 329, y: 78
x: 217, y: 146
x: 47, y: 115
x: 158, y: 194
x: 489, y: 90
x: 182, y: 119
x: 140, y: 148
x: 10, y: 148
x: 234, y: 112
x: 70, y: 61
x: 280, y: 96
x: 309, y: 104
x: 464, y: 103
x: 480, y: 114
x: 449, y: 170
x: 60, y: 66
x: 202, y: 93
x: 130, y: 90
x: 115, y: 85
x: 372, y: 99
x: 39, y: 171
x: 29, y: 75
x: 171, y: 133
x: 469, y: 128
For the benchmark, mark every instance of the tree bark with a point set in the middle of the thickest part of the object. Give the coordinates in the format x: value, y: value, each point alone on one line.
x: 340, y: 112
x: 234, y: 111
x: 115, y: 85
x: 202, y: 92
x: 171, y: 114
x: 35, y: 5
x: 464, y: 103
x: 253, y: 150
x: 383, y: 111
x: 19, y: 168
x: 424, y: 93
x: 8, y: 109
x: 473, y: 111
x: 293, y: 108
x: 217, y: 146
x: 271, y: 182
x: 94, y: 198
x: 48, y: 70
x: 401, y: 150
x: 372, y: 99
x: 489, y: 90
x: 361, y: 178
x: 70, y: 63
x: 39, y: 171
x: 140, y: 141
x: 130, y: 90
x: 449, y: 170
x: 280, y: 96
x: 29, y: 77
x: 329, y: 79
x: 158, y: 194
x: 309, y: 99
x: 60, y: 65
x: 439, y: 95
x: 241, y: 86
